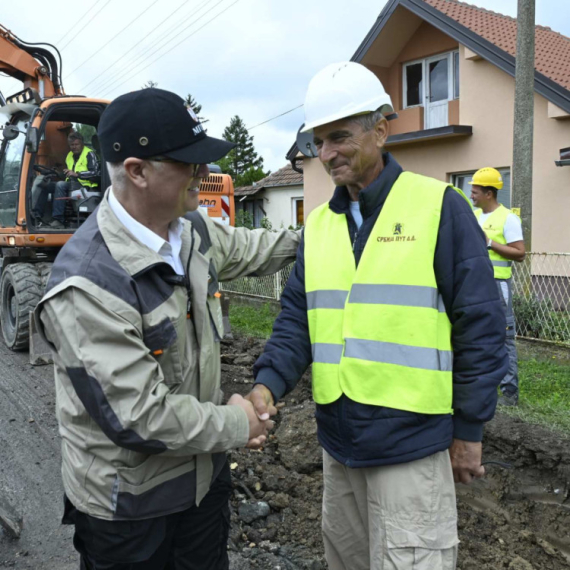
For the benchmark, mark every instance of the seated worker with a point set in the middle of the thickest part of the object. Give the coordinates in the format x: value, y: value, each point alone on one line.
x: 83, y: 166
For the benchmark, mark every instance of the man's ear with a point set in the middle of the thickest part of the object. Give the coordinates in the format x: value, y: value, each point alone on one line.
x: 381, y: 129
x: 136, y: 170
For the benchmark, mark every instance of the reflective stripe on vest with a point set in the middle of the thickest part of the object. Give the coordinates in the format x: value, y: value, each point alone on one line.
x: 379, y: 332
x: 494, y: 228
x: 80, y: 166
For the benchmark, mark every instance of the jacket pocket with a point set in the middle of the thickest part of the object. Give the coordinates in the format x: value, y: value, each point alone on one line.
x: 157, y: 486
x: 216, y: 319
x: 162, y: 342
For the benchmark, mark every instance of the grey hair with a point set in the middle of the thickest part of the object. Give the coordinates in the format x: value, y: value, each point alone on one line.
x: 75, y: 136
x: 118, y: 173
x: 368, y: 121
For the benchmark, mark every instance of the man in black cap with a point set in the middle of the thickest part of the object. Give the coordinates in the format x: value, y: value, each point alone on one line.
x: 132, y: 311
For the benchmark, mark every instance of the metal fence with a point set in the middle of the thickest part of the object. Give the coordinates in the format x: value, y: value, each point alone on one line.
x: 541, y: 297
x: 541, y: 294
x: 268, y: 287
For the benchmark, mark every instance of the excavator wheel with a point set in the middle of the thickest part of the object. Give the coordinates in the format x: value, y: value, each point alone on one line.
x: 44, y: 271
x: 20, y: 292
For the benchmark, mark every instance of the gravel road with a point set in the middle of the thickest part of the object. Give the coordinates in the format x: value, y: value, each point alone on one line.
x: 30, y: 480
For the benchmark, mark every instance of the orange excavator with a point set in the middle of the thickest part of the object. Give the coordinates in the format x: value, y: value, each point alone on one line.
x: 35, y: 124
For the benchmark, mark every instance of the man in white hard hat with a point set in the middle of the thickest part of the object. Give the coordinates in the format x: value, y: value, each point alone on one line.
x: 393, y: 301
x: 505, y: 244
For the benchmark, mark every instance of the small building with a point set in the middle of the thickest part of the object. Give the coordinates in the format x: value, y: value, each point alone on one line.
x: 277, y: 197
x: 449, y: 68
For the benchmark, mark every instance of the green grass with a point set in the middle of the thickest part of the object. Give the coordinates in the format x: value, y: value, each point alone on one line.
x: 253, y: 321
x: 544, y: 386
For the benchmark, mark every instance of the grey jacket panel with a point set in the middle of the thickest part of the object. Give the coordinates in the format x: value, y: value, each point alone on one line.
x: 138, y: 382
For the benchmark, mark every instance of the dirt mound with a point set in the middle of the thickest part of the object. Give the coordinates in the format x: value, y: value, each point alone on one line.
x: 517, y: 518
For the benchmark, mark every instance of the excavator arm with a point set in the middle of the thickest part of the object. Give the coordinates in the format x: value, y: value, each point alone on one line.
x: 35, y: 66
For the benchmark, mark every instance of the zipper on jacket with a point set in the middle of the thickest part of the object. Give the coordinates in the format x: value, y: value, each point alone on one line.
x: 354, y: 241
x: 343, y: 431
x: 187, y: 276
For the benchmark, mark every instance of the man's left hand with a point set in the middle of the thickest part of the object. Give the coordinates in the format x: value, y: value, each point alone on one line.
x: 71, y: 174
x: 466, y: 460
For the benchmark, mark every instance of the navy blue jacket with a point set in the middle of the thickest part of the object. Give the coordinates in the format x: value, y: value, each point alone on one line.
x: 360, y: 435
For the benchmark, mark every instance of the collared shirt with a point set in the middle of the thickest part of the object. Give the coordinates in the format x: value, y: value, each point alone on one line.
x: 168, y: 250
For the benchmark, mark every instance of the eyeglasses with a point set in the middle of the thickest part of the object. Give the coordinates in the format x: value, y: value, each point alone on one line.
x: 195, y: 167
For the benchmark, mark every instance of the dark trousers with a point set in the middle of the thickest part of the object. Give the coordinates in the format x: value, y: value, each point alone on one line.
x: 60, y: 190
x: 194, y: 539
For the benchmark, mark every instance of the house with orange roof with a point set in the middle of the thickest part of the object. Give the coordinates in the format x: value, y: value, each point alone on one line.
x: 449, y: 68
x: 278, y: 198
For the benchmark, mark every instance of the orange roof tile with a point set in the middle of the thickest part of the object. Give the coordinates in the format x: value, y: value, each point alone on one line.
x: 552, y: 50
x: 285, y: 176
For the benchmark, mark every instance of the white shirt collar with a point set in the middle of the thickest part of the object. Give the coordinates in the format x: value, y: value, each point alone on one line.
x: 169, y: 250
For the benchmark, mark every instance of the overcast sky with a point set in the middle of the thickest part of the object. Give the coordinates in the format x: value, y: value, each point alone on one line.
x: 253, y: 58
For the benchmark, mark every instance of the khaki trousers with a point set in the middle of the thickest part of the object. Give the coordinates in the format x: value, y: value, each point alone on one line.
x: 394, y: 517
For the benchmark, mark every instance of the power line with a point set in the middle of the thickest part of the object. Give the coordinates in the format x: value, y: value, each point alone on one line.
x: 176, y: 45
x: 115, y: 36
x: 153, y: 48
x: 79, y: 20
x: 122, y: 56
x: 276, y: 117
x: 85, y: 25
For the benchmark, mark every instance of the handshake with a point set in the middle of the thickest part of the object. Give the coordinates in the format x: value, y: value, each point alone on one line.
x: 259, y: 407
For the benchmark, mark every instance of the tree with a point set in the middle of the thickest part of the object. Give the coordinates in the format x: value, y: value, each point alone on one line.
x: 149, y: 84
x: 87, y: 131
x: 243, y: 163
x: 191, y: 103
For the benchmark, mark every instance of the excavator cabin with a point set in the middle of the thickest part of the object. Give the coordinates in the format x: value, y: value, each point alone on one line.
x: 48, y: 185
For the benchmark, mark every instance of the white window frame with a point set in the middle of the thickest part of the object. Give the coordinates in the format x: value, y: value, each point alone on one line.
x: 424, y: 61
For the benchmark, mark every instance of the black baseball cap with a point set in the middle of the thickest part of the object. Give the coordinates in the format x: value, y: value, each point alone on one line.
x: 155, y: 122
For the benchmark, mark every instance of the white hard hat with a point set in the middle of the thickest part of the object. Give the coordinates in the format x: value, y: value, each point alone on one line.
x: 341, y: 90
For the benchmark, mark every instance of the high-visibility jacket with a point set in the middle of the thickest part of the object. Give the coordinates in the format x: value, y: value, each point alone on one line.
x: 80, y: 166
x: 380, y: 333
x: 494, y: 227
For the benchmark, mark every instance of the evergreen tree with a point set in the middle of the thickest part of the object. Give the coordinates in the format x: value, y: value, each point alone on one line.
x: 191, y: 103
x: 86, y: 130
x: 150, y: 83
x: 243, y: 163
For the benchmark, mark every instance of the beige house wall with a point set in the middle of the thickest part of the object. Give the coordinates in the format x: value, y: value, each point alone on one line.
x: 487, y: 104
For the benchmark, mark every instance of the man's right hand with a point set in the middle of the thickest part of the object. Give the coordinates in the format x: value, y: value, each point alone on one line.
x: 257, y: 428
x: 262, y: 400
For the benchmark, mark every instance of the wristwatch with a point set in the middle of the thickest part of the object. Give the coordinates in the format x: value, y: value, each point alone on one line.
x: 489, y: 243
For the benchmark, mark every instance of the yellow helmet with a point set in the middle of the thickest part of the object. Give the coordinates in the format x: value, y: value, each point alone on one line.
x: 488, y: 177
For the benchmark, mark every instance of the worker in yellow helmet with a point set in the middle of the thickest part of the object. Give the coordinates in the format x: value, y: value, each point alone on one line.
x: 505, y: 244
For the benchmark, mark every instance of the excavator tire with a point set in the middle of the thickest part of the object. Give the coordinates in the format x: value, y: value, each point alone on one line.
x: 44, y: 271
x: 20, y: 292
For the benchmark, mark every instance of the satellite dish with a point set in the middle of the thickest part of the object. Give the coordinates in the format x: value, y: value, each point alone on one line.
x: 305, y: 143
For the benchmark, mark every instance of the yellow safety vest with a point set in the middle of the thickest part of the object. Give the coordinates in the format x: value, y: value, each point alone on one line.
x: 80, y: 166
x: 379, y: 332
x: 494, y: 227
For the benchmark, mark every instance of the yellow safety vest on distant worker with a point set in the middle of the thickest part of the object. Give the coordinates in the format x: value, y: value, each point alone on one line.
x: 80, y: 166
x: 379, y: 333
x: 494, y: 227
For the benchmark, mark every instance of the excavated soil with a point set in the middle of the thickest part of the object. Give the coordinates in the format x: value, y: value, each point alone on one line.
x: 517, y: 518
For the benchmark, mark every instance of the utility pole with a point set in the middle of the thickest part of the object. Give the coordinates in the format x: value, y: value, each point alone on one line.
x: 524, y: 117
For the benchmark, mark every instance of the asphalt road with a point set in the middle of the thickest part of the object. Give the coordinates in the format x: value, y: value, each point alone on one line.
x: 30, y: 480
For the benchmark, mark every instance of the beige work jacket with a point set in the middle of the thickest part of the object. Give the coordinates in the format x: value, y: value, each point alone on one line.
x: 137, y: 365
